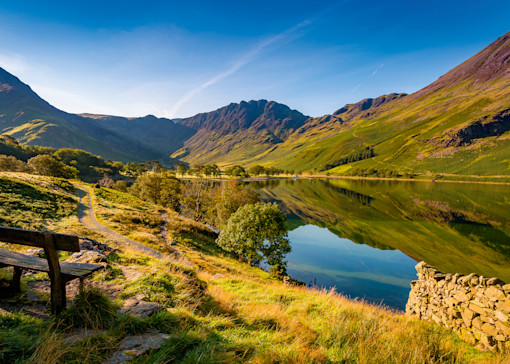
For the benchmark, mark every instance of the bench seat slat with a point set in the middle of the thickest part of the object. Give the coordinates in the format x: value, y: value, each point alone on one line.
x: 70, y: 269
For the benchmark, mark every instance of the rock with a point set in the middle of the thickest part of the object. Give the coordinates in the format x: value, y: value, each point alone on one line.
x: 476, y: 307
x: 501, y: 316
x: 89, y: 256
x: 489, y: 329
x: 477, y: 323
x: 135, y: 306
x: 36, y: 252
x: 493, y: 281
x: 503, y: 328
x: 94, y: 245
x: 503, y: 306
x: 494, y: 293
x: 216, y: 276
x: 133, y: 346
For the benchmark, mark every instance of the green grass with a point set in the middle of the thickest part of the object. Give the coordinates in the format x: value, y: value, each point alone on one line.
x: 28, y: 205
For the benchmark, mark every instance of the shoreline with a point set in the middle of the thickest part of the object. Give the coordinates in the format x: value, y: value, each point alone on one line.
x: 318, y: 176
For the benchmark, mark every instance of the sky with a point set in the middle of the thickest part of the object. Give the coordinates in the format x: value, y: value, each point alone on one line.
x: 178, y: 58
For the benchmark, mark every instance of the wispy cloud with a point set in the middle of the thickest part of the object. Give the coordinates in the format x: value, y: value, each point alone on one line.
x: 376, y: 70
x: 369, y: 77
x: 247, y: 58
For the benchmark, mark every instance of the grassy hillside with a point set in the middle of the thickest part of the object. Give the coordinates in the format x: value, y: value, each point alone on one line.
x: 216, y: 309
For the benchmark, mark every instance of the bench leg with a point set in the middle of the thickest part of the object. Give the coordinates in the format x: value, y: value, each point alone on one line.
x: 82, y: 284
x: 16, y: 279
x: 58, y: 295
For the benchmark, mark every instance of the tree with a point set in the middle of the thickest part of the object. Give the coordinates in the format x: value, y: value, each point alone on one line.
x: 46, y: 165
x: 255, y: 232
x: 236, y: 171
x: 181, y: 168
x: 159, y: 188
x: 226, y: 199
x: 257, y: 170
x: 11, y: 163
x: 120, y: 186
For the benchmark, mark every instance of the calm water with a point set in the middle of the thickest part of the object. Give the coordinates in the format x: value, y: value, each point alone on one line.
x: 365, y: 237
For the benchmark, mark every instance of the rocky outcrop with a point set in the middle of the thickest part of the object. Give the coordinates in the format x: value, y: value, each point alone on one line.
x: 487, y: 126
x: 475, y: 307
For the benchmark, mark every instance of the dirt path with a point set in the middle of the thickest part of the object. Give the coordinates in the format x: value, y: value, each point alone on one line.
x: 87, y: 217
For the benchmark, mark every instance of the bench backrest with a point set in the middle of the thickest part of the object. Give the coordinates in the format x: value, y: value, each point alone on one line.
x: 70, y: 243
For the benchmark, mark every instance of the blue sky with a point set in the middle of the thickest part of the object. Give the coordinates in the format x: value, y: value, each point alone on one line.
x: 177, y: 58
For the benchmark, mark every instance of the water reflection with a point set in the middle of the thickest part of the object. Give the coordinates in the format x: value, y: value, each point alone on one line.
x: 455, y: 227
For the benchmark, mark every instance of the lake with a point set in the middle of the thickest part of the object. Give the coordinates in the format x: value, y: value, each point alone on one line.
x: 365, y: 237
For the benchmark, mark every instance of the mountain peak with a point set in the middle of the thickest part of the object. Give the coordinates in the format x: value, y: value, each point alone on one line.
x: 491, y: 63
x: 270, y: 115
x: 350, y: 111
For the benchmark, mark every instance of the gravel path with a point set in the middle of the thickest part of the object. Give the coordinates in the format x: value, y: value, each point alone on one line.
x: 92, y: 223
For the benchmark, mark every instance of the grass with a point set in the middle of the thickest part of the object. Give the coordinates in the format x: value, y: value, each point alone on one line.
x: 242, y: 315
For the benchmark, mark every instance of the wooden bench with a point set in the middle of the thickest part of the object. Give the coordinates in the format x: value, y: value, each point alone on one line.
x: 59, y: 272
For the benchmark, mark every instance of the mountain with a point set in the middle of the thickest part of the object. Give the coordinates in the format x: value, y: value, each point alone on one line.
x: 31, y: 120
x: 238, y: 131
x: 459, y: 124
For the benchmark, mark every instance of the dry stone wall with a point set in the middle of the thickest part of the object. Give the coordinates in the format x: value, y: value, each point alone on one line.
x: 475, y: 307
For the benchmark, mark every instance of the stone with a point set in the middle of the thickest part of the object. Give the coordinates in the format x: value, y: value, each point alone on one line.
x: 467, y: 316
x: 467, y: 336
x: 474, y: 281
x: 133, y: 346
x: 500, y: 337
x: 135, y: 306
x: 476, y: 307
x: 89, y: 256
x: 503, y: 328
x: 503, y: 306
x: 506, y: 288
x: 493, y: 281
x: 501, y: 316
x: 489, y: 329
x: 493, y: 292
x: 487, y: 319
x: 477, y: 323
x: 462, y: 297
x: 36, y: 252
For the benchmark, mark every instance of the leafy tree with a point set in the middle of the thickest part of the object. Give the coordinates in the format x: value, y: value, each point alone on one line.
x: 236, y: 171
x: 196, y: 199
x: 11, y: 163
x: 256, y: 232
x: 256, y: 170
x: 159, y: 188
x: 181, y: 168
x: 48, y: 166
x: 226, y: 199
x: 120, y: 186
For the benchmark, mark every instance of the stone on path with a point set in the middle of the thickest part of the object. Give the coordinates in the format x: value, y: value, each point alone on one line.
x: 134, y: 346
x: 136, y: 306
